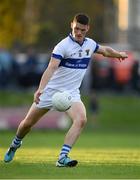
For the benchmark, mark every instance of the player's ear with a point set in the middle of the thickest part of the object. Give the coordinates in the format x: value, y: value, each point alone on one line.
x: 88, y: 27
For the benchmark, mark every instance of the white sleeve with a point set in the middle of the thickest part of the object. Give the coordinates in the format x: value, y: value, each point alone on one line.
x: 95, y: 46
x: 58, y: 51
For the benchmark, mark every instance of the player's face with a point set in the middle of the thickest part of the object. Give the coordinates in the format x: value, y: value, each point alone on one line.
x: 79, y: 31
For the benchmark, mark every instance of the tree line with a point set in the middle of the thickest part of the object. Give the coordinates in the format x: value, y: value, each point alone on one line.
x: 43, y: 23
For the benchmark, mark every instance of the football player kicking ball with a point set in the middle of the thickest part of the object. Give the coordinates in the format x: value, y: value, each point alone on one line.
x: 65, y: 72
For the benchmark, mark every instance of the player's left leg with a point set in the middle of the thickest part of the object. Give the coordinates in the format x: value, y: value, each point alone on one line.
x: 33, y: 115
x: 78, y: 115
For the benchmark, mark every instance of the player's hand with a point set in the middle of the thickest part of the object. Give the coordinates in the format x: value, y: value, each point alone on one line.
x: 37, y: 96
x: 123, y: 56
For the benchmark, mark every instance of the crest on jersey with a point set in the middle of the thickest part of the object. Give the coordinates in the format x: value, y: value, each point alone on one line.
x: 87, y: 52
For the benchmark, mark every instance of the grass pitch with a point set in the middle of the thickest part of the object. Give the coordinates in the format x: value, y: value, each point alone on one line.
x: 111, y: 152
x: 100, y: 155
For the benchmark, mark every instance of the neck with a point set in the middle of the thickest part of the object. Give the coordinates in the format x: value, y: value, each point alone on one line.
x: 79, y: 42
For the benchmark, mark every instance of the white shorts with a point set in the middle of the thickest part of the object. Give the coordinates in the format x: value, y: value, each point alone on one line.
x: 46, y: 98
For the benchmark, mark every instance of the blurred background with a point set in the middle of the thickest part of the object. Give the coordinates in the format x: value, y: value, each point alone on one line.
x: 29, y: 29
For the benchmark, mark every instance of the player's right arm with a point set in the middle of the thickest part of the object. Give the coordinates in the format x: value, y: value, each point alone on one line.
x: 57, y: 56
x: 52, y: 67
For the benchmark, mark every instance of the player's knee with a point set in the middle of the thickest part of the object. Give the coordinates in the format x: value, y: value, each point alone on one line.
x: 82, y: 120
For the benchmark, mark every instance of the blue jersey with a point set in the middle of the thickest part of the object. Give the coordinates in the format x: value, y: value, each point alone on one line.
x: 74, y: 59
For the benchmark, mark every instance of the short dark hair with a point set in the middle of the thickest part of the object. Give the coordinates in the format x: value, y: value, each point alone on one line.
x: 82, y: 18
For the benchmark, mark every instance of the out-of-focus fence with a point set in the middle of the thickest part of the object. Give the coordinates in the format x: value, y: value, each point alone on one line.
x: 10, y: 118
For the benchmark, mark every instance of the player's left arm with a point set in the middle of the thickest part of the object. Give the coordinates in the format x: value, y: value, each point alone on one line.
x: 110, y: 52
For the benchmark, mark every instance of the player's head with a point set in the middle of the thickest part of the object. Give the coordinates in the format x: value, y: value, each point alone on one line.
x: 80, y: 26
x: 81, y: 18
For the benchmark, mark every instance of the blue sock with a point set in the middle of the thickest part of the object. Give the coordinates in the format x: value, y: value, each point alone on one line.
x: 64, y: 151
x: 16, y: 142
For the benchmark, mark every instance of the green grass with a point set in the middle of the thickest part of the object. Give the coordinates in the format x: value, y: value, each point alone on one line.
x: 100, y: 155
x: 110, y: 151
x: 118, y: 112
x: 15, y: 98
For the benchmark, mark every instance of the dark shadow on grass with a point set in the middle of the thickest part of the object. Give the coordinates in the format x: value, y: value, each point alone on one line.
x: 19, y: 170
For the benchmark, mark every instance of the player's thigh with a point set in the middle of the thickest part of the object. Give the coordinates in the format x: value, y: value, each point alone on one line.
x: 77, y: 111
x: 34, y: 114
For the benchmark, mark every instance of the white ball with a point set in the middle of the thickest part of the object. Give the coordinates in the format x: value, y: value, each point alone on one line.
x: 62, y: 101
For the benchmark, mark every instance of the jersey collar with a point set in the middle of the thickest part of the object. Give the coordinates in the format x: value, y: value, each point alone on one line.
x: 72, y: 38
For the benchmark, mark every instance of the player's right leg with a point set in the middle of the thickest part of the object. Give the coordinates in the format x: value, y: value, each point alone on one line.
x: 33, y: 115
x: 77, y: 113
